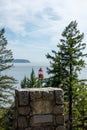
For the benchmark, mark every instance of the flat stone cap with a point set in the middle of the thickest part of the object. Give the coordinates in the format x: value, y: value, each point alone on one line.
x: 49, y: 93
x: 40, y: 89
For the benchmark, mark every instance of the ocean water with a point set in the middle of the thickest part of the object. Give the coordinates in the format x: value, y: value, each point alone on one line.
x: 19, y: 70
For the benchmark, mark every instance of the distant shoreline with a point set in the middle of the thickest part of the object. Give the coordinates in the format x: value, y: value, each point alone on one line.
x: 31, y: 64
x: 21, y: 61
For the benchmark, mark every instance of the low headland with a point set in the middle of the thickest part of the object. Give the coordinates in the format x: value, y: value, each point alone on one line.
x: 21, y: 61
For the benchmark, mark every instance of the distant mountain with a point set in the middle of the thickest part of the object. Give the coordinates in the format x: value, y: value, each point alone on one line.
x: 21, y: 61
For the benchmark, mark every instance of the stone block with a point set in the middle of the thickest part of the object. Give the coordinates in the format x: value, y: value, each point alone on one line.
x: 43, y: 128
x: 59, y: 96
x: 41, y: 107
x: 48, y: 95
x: 35, y: 95
x: 60, y: 128
x: 58, y: 109
x: 24, y: 110
x: 59, y: 120
x: 23, y: 98
x: 22, y: 122
x: 37, y: 128
x: 19, y: 129
x: 49, y: 128
x: 41, y: 120
x: 29, y: 128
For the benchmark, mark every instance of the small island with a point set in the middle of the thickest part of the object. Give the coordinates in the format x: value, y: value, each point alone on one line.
x: 21, y: 61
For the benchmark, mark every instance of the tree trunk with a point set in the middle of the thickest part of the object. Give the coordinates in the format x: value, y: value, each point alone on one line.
x: 70, y: 98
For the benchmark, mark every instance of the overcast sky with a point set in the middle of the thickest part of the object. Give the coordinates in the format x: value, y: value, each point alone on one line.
x: 33, y: 27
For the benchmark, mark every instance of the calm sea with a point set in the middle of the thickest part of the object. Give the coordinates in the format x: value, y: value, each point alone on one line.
x: 19, y: 70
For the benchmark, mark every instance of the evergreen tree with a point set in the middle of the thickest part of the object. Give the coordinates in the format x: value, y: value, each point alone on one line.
x: 7, y: 118
x: 25, y: 82
x: 32, y: 82
x: 67, y: 62
x: 56, y: 71
x: 80, y: 107
x: 6, y: 82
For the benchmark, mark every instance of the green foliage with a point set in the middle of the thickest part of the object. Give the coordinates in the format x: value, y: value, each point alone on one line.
x: 6, y: 82
x: 66, y: 63
x: 5, y: 55
x: 25, y: 82
x: 1, y: 116
x: 69, y: 56
x: 80, y: 106
x: 32, y: 82
x: 6, y: 118
x: 56, y: 70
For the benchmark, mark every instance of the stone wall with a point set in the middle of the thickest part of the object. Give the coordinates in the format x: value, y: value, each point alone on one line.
x: 39, y: 109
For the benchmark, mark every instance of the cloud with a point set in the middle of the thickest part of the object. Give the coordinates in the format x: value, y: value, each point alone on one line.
x: 37, y: 25
x: 17, y: 14
x: 32, y: 50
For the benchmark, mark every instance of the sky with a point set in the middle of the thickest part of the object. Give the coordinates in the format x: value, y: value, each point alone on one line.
x: 33, y: 27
